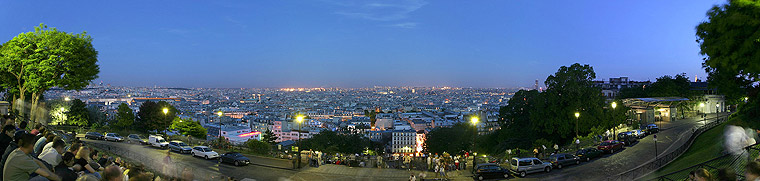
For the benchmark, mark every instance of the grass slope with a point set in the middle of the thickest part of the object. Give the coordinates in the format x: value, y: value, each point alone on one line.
x: 707, y: 146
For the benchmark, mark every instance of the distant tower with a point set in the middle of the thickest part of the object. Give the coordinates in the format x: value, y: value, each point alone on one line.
x: 535, y: 86
x: 696, y: 78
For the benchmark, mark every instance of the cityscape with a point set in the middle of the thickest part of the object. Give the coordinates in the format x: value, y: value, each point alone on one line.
x: 380, y: 90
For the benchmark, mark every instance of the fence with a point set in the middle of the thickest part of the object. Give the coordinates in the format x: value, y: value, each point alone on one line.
x: 736, y: 163
x: 663, y: 160
x: 174, y: 169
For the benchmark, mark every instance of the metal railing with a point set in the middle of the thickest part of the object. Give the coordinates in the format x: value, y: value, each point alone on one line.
x: 736, y: 163
x: 662, y: 160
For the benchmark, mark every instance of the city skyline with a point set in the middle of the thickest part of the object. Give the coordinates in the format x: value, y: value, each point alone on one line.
x: 373, y: 43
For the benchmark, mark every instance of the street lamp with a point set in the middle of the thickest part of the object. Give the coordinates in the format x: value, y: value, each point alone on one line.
x: 474, y: 120
x: 299, y: 120
x: 614, y: 129
x: 220, y: 114
x: 577, y: 114
x: 66, y: 98
x: 166, y: 110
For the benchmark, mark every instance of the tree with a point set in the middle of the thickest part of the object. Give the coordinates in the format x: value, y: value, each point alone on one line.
x: 258, y: 147
x: 39, y: 60
x: 452, y: 139
x: 331, y: 142
x: 730, y: 42
x: 568, y: 91
x: 269, y: 137
x: 124, y: 116
x: 152, y: 117
x: 78, y: 114
x: 189, y: 127
x: 96, y: 116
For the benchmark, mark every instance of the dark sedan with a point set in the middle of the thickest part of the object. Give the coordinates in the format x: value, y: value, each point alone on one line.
x: 563, y: 159
x: 94, y: 136
x: 235, y: 158
x: 587, y: 154
x: 490, y: 170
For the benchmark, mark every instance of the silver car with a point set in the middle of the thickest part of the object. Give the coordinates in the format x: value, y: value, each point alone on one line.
x: 524, y: 166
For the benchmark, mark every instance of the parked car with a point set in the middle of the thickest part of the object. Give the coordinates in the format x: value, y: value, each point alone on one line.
x: 627, y: 138
x: 135, y: 138
x: 94, y: 136
x: 562, y: 159
x: 205, y: 152
x: 113, y: 137
x: 157, y: 141
x: 587, y: 154
x: 652, y: 129
x: 639, y: 133
x: 235, y: 158
x: 610, y: 146
x: 179, y: 146
x: 523, y: 166
x: 490, y: 170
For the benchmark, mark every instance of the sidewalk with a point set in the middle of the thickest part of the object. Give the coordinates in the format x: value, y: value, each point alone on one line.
x: 384, y: 173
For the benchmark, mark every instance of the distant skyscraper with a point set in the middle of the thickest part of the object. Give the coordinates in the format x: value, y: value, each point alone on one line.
x: 535, y: 86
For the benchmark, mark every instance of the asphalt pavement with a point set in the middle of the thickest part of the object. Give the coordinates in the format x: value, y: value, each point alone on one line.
x: 672, y: 135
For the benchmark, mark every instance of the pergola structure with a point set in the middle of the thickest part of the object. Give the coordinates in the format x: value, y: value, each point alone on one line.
x: 644, y: 109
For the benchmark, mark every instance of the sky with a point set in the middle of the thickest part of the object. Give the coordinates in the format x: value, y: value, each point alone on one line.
x: 364, y: 43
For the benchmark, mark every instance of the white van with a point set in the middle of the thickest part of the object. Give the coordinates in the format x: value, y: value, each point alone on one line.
x: 157, y: 141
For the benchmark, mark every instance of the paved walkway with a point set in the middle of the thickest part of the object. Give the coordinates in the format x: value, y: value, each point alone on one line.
x: 383, y: 174
x: 671, y: 136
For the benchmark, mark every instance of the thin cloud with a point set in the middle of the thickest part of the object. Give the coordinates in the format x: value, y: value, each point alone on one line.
x: 378, y: 10
x: 407, y: 25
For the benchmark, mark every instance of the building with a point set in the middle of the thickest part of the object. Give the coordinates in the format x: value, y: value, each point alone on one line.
x: 384, y: 121
x: 237, y: 134
x: 4, y: 107
x: 611, y: 88
x: 404, y: 141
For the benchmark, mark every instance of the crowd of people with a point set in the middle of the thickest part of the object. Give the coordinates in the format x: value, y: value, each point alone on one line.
x: 38, y: 153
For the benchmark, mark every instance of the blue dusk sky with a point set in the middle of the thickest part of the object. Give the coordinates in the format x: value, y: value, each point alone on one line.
x: 362, y: 43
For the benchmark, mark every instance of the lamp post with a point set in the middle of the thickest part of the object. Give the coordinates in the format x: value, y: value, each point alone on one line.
x: 474, y: 120
x: 166, y: 111
x: 655, y: 146
x: 577, y: 114
x: 220, y: 114
x: 704, y: 118
x: 299, y: 120
x: 717, y: 111
x: 614, y: 129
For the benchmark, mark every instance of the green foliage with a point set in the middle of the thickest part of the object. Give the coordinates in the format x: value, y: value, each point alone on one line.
x: 568, y: 91
x: 152, y: 117
x: 96, y: 116
x: 372, y: 116
x: 332, y: 142
x: 452, y: 140
x: 33, y: 62
x: 78, y: 114
x: 189, y: 127
x: 730, y: 42
x: 258, y: 147
x: 269, y: 137
x: 124, y: 116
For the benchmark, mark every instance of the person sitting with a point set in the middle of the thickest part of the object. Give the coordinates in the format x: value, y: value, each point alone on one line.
x: 20, y: 165
x: 64, y: 168
x: 6, y: 137
x: 83, y: 159
x: 53, y: 156
x: 42, y: 142
x: 113, y: 173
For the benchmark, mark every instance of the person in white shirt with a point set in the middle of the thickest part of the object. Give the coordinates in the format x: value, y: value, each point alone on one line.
x: 53, y: 156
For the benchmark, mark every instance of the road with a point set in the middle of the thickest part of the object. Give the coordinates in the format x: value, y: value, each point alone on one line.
x: 262, y: 169
x: 671, y: 136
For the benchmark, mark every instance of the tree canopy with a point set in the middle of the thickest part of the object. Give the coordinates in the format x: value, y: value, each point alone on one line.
x: 269, y: 137
x: 730, y: 41
x: 78, y: 114
x: 332, y: 142
x: 189, y: 127
x: 125, y: 117
x: 152, y: 117
x: 33, y: 62
x: 453, y: 139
